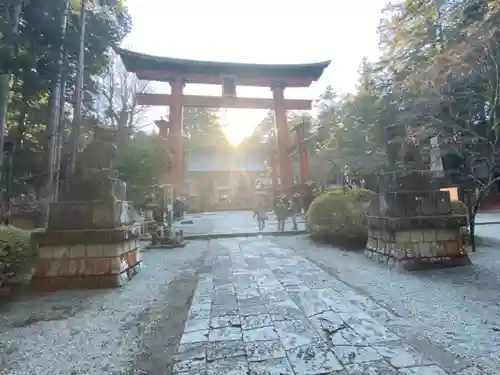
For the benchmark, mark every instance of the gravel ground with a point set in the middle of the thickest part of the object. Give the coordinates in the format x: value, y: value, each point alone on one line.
x: 103, y: 332
x: 455, y: 308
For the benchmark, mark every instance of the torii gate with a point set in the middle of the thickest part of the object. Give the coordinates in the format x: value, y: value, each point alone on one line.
x: 179, y: 72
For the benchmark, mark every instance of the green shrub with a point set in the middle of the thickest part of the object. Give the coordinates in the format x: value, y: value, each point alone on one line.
x: 16, y: 252
x: 338, y: 217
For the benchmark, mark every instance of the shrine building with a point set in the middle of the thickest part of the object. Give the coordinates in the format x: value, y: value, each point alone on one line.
x: 222, y: 179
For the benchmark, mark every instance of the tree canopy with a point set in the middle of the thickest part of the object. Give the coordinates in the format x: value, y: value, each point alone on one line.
x: 437, y: 75
x: 31, y: 54
x: 144, y: 162
x: 202, y: 129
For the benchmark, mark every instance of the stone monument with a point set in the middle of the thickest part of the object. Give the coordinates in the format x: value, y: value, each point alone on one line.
x: 410, y: 222
x: 89, y: 241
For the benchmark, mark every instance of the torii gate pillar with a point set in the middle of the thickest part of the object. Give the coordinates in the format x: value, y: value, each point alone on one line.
x: 285, y: 163
x: 302, y: 152
x: 175, y: 134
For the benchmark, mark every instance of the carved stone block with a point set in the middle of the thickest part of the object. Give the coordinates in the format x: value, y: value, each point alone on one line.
x: 411, y: 223
x: 89, y: 242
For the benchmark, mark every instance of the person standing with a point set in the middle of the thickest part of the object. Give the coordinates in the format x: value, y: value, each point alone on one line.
x: 292, y: 209
x: 261, y: 215
x: 281, y: 214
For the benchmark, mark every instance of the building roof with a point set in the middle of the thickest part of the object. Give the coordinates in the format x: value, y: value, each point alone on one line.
x: 223, y: 163
x: 150, y: 67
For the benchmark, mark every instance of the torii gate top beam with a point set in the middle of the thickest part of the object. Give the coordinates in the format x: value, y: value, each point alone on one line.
x: 154, y: 68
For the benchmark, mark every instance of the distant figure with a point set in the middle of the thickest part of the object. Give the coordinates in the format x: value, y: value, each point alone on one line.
x: 178, y: 208
x: 261, y: 215
x: 299, y: 203
x: 281, y: 211
x: 293, y: 211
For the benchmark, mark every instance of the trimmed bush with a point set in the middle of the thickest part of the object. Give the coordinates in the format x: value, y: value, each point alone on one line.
x: 338, y: 217
x: 16, y: 252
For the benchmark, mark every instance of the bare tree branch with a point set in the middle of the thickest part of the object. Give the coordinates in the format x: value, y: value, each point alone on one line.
x: 119, y: 89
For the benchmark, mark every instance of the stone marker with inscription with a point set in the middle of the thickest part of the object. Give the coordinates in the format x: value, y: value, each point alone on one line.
x: 410, y: 222
x: 89, y: 242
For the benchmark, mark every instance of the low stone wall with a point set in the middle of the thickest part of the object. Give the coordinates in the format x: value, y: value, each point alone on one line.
x: 417, y: 249
x: 86, y: 266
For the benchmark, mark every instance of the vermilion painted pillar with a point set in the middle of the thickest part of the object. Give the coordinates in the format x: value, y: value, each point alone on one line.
x: 285, y: 162
x: 304, y: 165
x: 303, y: 157
x: 175, y: 134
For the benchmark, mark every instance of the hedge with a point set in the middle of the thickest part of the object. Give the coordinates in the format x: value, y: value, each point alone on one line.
x: 338, y: 217
x: 16, y: 253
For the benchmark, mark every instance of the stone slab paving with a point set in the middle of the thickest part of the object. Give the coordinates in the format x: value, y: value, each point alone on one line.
x: 266, y: 310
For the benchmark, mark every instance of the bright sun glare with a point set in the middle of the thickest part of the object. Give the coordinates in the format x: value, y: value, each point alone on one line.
x: 238, y: 124
x: 233, y: 135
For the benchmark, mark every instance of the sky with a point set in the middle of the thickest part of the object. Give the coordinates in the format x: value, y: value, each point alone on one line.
x: 258, y: 31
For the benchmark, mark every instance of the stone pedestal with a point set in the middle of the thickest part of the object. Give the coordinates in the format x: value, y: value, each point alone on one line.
x: 411, y: 226
x: 85, y: 259
x: 89, y: 241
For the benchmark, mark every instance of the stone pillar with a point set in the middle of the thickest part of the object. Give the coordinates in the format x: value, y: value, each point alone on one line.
x: 304, y: 165
x: 175, y: 134
x: 302, y: 152
x: 410, y: 222
x: 285, y: 162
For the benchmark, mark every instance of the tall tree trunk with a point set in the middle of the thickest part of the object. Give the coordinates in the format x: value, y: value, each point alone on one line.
x: 77, y: 117
x: 61, y: 133
x: 21, y: 121
x: 4, y: 106
x: 52, y: 132
x: 13, y: 17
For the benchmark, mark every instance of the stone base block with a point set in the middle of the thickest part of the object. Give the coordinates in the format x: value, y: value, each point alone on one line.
x: 105, y: 214
x: 417, y: 264
x: 86, y: 266
x: 51, y: 284
x: 417, y: 249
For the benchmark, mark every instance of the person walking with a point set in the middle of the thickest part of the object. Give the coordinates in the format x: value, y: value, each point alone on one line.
x: 261, y: 215
x: 281, y: 213
x: 293, y: 211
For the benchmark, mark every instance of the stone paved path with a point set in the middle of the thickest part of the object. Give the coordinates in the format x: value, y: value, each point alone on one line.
x: 265, y: 309
x: 230, y: 222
